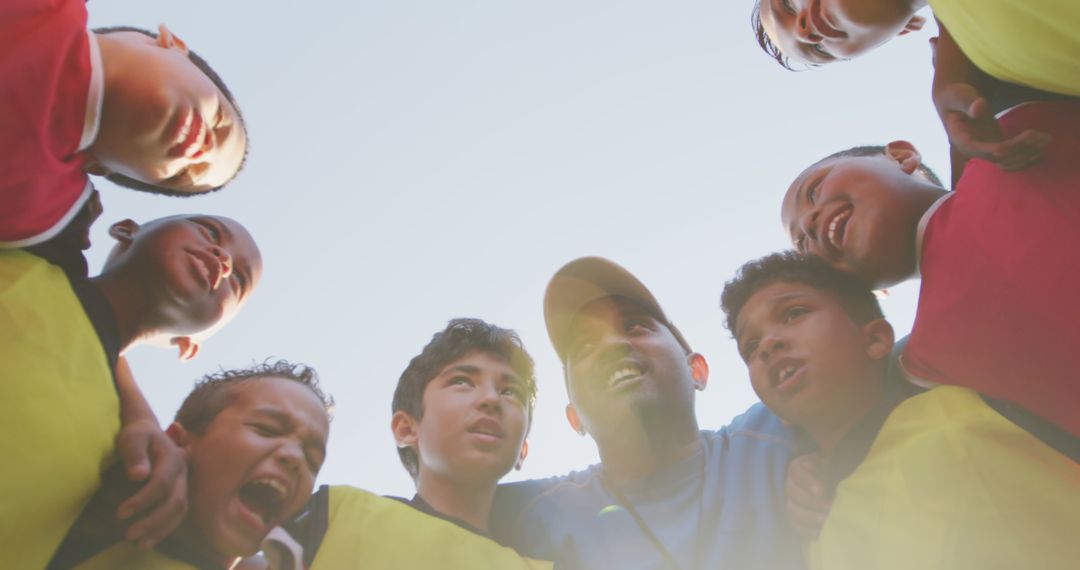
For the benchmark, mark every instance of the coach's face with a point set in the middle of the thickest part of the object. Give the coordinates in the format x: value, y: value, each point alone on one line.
x: 621, y: 362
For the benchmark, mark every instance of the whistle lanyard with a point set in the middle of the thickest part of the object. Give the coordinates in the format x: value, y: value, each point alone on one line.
x: 643, y: 525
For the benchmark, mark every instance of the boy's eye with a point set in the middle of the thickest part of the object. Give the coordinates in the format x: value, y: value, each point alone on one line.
x: 749, y: 349
x: 800, y: 243
x: 821, y: 51
x: 795, y: 312
x: 266, y: 430
x: 460, y: 380
x: 789, y: 7
x: 514, y: 392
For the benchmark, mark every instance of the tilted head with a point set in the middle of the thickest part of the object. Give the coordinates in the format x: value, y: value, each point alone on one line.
x: 255, y: 439
x: 463, y: 406
x: 859, y: 210
x: 813, y: 338
x: 818, y: 32
x: 169, y: 125
x: 621, y: 355
x: 182, y: 277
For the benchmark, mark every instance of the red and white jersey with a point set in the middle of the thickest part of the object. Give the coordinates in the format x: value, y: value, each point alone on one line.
x: 1000, y: 259
x: 50, y: 99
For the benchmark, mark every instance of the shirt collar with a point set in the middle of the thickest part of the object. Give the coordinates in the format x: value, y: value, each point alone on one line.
x: 921, y: 229
x: 95, y: 94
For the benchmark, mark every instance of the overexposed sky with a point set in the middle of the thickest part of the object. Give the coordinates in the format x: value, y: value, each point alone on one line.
x: 413, y: 161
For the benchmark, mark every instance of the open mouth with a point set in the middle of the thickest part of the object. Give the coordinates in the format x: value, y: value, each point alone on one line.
x: 624, y: 374
x: 834, y: 232
x: 787, y: 376
x: 265, y: 497
x: 189, y: 136
x: 488, y: 427
x: 211, y: 266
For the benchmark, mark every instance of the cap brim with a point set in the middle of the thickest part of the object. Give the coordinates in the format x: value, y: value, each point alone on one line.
x: 585, y: 280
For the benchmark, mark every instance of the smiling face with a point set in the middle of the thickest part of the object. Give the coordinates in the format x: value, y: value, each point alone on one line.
x: 198, y: 270
x: 620, y: 360
x: 818, y: 32
x: 164, y: 122
x: 809, y: 361
x: 860, y: 214
x: 474, y: 421
x: 254, y: 465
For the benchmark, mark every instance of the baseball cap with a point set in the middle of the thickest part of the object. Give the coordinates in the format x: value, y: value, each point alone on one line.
x: 585, y: 280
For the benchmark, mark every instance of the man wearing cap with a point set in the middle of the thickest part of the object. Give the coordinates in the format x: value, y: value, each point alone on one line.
x: 666, y: 494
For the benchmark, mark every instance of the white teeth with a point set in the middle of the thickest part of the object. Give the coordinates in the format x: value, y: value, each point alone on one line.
x: 622, y: 374
x: 835, y: 223
x: 787, y: 372
x: 274, y: 484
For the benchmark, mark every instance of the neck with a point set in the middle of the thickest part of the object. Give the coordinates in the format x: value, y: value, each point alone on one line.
x: 188, y: 541
x: 833, y: 427
x: 136, y: 317
x: 644, y: 446
x: 470, y: 503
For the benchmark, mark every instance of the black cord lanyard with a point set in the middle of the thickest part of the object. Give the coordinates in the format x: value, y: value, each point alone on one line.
x: 658, y: 544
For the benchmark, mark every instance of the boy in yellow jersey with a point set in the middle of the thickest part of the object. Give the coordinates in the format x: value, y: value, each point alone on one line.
x: 932, y: 480
x: 461, y: 413
x: 174, y: 281
x: 255, y: 439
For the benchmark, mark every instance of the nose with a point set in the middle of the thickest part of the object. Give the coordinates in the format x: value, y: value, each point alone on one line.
x: 489, y: 398
x: 225, y: 259
x: 771, y: 344
x: 804, y: 28
x: 290, y: 454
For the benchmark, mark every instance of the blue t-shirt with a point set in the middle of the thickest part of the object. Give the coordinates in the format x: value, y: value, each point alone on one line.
x: 722, y: 508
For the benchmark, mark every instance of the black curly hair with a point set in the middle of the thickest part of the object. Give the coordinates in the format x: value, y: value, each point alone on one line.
x: 793, y: 267
x: 460, y: 337
x: 211, y: 393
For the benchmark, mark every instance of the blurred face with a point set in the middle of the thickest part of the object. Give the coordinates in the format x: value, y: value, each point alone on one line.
x: 622, y: 360
x: 200, y: 269
x: 860, y: 214
x: 255, y: 464
x: 818, y: 32
x: 164, y: 121
x: 474, y: 421
x: 809, y: 361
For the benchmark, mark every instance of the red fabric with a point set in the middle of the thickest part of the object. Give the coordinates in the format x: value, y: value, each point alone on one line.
x: 44, y: 82
x: 998, y: 308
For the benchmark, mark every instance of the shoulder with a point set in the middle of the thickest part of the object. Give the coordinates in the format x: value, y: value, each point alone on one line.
x: 757, y: 426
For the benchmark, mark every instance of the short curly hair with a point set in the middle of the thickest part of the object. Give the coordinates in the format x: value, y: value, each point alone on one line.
x: 129, y: 182
x: 213, y: 392
x: 858, y: 300
x: 879, y: 150
x: 459, y: 338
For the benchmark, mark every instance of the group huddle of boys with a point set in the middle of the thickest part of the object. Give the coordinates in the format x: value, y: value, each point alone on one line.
x: 955, y: 448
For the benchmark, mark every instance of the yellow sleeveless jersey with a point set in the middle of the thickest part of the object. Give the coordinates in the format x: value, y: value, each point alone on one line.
x: 364, y: 530
x: 950, y: 484
x: 59, y: 407
x: 1030, y: 42
x: 126, y: 556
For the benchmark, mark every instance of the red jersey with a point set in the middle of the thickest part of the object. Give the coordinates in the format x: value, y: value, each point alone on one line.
x: 45, y: 79
x: 998, y: 308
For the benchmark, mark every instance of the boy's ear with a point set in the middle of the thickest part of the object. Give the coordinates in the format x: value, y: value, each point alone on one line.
x: 124, y: 231
x: 879, y: 338
x: 404, y: 427
x: 905, y: 154
x: 178, y: 434
x: 915, y: 24
x: 521, y: 456
x: 699, y: 369
x: 188, y: 348
x: 575, y: 421
x: 169, y: 40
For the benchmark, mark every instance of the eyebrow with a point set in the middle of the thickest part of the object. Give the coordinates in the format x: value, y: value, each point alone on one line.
x: 289, y: 422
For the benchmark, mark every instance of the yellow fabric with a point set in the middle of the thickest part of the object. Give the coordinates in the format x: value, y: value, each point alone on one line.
x: 1030, y: 42
x: 58, y: 406
x: 369, y: 531
x: 950, y: 484
x: 126, y: 556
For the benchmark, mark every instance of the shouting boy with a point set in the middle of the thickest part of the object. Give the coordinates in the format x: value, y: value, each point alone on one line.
x: 940, y: 469
x: 170, y: 281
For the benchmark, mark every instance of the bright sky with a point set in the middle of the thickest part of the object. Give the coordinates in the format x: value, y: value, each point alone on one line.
x: 419, y: 160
